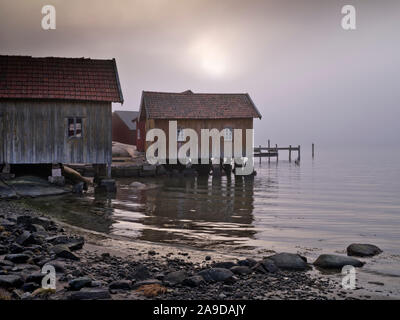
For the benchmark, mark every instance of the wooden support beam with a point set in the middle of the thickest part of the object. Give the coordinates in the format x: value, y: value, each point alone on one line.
x: 312, y: 150
x: 298, y: 153
x: 290, y: 153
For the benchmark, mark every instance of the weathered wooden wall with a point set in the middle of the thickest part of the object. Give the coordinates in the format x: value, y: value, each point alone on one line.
x: 36, y: 132
x: 198, y: 124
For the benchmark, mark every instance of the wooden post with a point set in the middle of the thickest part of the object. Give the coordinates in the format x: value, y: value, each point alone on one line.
x: 277, y: 154
x: 269, y: 146
x: 290, y: 153
x: 312, y: 150
x: 298, y: 153
x: 260, y: 154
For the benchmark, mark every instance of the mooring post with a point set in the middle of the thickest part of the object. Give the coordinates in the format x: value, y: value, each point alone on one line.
x: 312, y: 150
x: 277, y: 154
x: 269, y: 146
x: 290, y: 153
x: 298, y: 153
x: 259, y: 153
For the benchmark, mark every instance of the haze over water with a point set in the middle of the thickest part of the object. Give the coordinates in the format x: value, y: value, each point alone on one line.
x: 323, y: 205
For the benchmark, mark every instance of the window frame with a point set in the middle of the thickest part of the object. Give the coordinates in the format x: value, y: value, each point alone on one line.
x: 228, y: 129
x: 76, y: 120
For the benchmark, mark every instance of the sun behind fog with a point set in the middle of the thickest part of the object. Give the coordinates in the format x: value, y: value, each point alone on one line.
x: 210, y: 56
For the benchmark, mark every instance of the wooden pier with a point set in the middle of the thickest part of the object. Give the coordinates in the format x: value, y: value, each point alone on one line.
x: 273, y: 152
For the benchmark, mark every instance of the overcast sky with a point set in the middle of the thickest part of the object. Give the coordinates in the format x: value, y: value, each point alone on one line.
x: 311, y: 80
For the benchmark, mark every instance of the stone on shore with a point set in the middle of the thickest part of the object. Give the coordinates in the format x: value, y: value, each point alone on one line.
x: 216, y: 274
x: 35, y: 277
x: 363, y: 250
x: 333, y: 261
x: 10, y: 281
x: 175, y: 277
x: 90, y: 294
x: 120, y: 285
x: 17, y: 257
x: 225, y: 265
x: 289, y: 261
x: 269, y: 265
x: 193, y: 281
x: 79, y: 283
x: 62, y: 251
x: 241, y: 270
x: 26, y: 238
x: 141, y: 273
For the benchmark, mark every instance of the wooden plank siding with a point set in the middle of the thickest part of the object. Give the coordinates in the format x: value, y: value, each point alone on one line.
x: 35, y: 131
x: 198, y: 124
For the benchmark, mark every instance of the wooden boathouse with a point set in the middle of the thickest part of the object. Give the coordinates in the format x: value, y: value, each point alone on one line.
x: 194, y: 111
x: 57, y: 110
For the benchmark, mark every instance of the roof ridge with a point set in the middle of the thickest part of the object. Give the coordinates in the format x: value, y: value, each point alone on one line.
x: 196, y: 93
x: 52, y: 57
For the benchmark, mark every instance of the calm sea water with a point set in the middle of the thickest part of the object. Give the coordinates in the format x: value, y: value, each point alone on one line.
x: 322, y: 205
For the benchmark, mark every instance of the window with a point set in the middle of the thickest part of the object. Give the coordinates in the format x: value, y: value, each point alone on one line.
x: 138, y: 133
x: 228, y: 134
x: 75, y: 127
x: 180, y: 136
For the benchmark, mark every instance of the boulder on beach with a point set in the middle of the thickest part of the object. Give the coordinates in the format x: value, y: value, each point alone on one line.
x: 241, y: 270
x: 333, y: 261
x: 175, y: 277
x: 216, y: 274
x: 363, y: 250
x: 289, y: 261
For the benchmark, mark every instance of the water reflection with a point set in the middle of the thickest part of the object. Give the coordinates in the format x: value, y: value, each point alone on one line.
x: 197, y: 211
x: 200, y: 212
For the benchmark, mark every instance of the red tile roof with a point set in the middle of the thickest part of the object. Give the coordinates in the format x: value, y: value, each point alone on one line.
x: 59, y: 78
x: 189, y: 105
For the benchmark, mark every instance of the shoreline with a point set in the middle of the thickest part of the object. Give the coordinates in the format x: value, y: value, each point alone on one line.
x: 109, y: 269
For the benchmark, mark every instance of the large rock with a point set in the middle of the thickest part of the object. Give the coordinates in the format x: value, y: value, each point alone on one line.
x: 175, y: 277
x: 269, y: 265
x: 241, y: 270
x: 10, y: 281
x: 90, y: 294
x: 26, y: 238
x: 289, y: 261
x: 141, y: 273
x: 333, y: 261
x: 17, y: 257
x: 216, y: 274
x: 62, y: 251
x: 35, y: 277
x: 363, y: 250
x: 193, y: 281
x: 79, y: 283
x: 225, y: 264
x: 120, y: 285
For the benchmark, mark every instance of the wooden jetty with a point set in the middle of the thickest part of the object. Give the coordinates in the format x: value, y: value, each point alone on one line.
x: 273, y: 152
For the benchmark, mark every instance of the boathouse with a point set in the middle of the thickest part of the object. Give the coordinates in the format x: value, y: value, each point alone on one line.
x: 57, y: 110
x: 195, y: 111
x: 124, y: 126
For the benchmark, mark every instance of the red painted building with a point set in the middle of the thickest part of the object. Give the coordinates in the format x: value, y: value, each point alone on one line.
x: 124, y: 126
